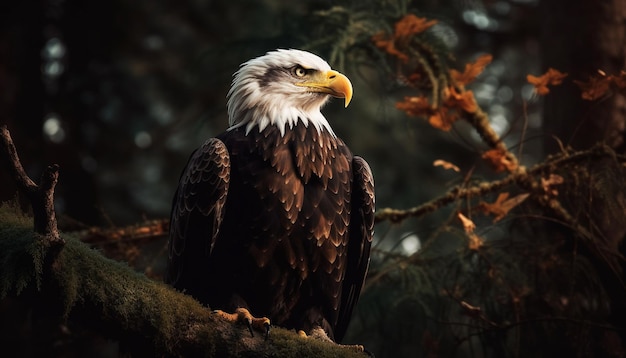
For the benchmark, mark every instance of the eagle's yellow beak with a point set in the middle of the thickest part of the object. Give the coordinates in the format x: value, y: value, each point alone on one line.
x: 331, y: 82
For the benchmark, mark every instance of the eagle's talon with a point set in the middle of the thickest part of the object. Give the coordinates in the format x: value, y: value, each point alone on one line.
x: 268, y: 326
x: 242, y: 315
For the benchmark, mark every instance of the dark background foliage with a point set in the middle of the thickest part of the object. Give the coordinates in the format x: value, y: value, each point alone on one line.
x: 118, y: 93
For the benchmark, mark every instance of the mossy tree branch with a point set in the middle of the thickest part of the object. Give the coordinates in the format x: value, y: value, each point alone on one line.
x: 109, y: 296
x: 80, y: 284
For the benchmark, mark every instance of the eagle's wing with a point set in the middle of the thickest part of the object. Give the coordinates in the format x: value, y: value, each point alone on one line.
x: 358, y: 250
x: 197, y: 212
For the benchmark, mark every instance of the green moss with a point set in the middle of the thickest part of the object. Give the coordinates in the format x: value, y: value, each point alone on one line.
x: 110, y: 294
x: 21, y: 254
x: 86, y: 278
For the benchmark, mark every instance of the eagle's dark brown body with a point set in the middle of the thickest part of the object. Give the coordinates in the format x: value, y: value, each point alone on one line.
x: 280, y: 224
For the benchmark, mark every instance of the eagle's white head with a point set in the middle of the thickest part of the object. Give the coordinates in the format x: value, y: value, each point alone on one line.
x: 283, y: 87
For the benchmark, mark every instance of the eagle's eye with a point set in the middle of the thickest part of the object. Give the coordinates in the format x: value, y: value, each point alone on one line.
x: 299, y: 71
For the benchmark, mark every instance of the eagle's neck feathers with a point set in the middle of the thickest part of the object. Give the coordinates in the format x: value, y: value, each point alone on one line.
x: 284, y: 118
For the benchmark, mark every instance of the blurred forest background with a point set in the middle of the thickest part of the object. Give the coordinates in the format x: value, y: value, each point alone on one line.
x: 118, y: 93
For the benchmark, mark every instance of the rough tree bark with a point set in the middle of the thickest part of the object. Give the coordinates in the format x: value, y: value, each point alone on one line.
x: 580, y: 38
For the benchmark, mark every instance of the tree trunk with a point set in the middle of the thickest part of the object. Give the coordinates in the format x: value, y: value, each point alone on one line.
x: 580, y: 38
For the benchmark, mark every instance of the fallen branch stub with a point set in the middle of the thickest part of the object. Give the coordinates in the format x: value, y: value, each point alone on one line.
x: 40, y: 196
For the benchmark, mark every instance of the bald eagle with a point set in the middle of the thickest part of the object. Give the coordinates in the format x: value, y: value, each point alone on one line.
x: 276, y: 215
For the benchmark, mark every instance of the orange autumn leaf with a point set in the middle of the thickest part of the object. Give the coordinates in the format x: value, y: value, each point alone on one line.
x: 464, y: 100
x: 442, y: 119
x: 475, y: 242
x: 472, y: 70
x: 454, y: 101
x: 468, y: 225
x: 415, y: 106
x: 502, y: 205
x: 411, y: 25
x: 594, y: 88
x: 598, y: 86
x: 406, y: 27
x: 383, y: 42
x: 551, y: 78
x: 499, y: 160
x: 420, y: 106
x: 446, y: 165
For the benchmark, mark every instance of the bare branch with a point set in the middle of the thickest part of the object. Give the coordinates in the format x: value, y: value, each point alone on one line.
x: 41, y: 196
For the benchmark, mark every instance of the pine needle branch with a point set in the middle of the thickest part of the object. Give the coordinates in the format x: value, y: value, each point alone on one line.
x: 522, y: 178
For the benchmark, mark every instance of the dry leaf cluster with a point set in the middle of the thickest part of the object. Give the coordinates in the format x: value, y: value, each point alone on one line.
x: 551, y: 78
x: 597, y: 86
x: 455, y: 99
x: 410, y: 25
